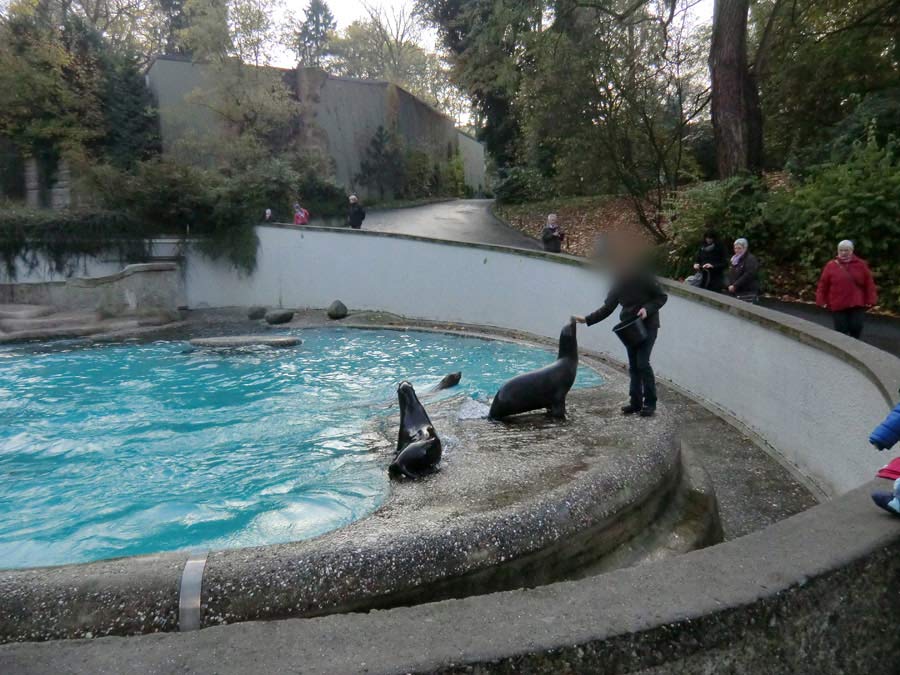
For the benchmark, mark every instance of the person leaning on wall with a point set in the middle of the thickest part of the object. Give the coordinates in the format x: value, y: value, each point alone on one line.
x: 847, y: 289
x: 743, y: 276
x: 711, y: 262
x: 552, y: 236
x: 356, y: 214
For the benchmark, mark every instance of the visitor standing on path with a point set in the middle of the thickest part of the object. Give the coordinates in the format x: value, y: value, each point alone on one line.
x: 551, y: 236
x: 711, y: 262
x: 301, y: 215
x: 356, y: 214
x: 744, y: 273
x: 641, y: 296
x: 847, y: 289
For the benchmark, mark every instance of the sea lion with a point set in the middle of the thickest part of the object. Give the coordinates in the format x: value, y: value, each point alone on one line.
x: 543, y: 388
x: 448, y: 381
x: 418, y: 446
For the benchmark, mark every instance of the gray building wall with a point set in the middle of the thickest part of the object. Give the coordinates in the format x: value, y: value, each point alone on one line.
x: 472, y: 153
x: 173, y: 81
x: 346, y: 112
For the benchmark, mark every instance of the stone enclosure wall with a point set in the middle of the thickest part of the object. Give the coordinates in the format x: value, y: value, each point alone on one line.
x: 345, y: 112
x: 147, y: 288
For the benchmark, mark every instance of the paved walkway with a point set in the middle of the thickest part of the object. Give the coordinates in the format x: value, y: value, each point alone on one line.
x: 468, y: 220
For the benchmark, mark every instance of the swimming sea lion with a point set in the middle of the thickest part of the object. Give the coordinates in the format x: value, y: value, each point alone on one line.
x: 448, y: 381
x: 418, y: 446
x: 544, y: 388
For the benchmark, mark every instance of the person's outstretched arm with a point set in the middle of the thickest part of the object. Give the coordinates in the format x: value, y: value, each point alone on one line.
x: 609, y: 306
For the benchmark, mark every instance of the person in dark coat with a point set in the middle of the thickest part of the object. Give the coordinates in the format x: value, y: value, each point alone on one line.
x: 356, y: 214
x: 744, y: 273
x: 640, y: 295
x: 551, y: 236
x: 847, y: 289
x: 712, y: 262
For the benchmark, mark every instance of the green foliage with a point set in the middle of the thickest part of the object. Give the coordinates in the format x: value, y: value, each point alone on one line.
x: 311, y: 37
x: 521, y: 184
x: 65, y: 92
x: 62, y: 236
x: 857, y: 200
x: 732, y: 208
x: 796, y: 229
x: 821, y: 61
x: 398, y: 172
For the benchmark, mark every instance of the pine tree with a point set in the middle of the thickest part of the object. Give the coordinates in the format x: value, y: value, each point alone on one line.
x: 311, y: 38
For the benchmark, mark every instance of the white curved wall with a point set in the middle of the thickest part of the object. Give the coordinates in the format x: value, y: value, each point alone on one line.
x: 813, y: 405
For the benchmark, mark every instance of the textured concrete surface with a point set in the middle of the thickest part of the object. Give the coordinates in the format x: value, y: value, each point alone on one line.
x: 147, y: 288
x: 812, y: 594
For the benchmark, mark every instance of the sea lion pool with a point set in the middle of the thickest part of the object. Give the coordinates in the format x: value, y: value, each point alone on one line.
x: 144, y: 447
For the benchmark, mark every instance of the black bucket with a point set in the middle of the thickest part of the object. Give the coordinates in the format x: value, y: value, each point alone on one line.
x: 631, y: 333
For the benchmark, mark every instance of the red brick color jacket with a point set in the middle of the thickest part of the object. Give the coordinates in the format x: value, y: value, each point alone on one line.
x: 846, y: 285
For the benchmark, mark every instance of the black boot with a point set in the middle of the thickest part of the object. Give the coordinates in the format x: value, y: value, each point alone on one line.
x: 631, y: 409
x: 648, y: 411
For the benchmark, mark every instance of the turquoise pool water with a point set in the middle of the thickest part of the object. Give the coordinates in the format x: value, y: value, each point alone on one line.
x: 145, y: 447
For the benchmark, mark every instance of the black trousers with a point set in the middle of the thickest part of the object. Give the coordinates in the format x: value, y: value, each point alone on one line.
x: 850, y: 321
x: 642, y: 390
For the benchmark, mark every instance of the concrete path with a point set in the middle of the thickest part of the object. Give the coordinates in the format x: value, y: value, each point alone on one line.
x: 880, y: 331
x: 468, y: 220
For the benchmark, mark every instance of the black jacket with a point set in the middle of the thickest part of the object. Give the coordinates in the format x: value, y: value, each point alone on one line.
x: 745, y: 276
x: 713, y: 255
x: 632, y: 292
x: 552, y: 239
x: 356, y: 214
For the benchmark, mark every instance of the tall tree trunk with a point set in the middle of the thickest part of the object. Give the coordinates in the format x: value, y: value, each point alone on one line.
x: 736, y: 113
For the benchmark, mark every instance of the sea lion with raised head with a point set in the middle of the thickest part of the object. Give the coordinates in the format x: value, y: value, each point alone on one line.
x: 418, y: 446
x: 543, y: 388
x: 448, y: 381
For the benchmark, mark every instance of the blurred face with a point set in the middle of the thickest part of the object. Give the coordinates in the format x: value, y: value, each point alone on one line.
x: 551, y: 219
x: 709, y: 240
x: 739, y: 249
x: 845, y: 252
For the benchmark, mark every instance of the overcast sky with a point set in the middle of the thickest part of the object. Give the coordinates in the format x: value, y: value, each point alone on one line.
x: 348, y: 11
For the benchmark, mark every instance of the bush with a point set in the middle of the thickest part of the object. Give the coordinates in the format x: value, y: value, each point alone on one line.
x: 521, y: 184
x: 857, y: 200
x: 732, y: 207
x: 63, y: 236
x: 795, y: 230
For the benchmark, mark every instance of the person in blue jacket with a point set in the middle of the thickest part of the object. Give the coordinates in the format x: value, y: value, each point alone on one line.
x: 885, y: 436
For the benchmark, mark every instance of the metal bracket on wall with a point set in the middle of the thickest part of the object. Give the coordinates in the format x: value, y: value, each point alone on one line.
x: 189, y: 613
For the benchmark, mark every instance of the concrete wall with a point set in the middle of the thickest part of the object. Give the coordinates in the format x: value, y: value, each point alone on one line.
x: 39, y: 268
x: 812, y: 394
x: 136, y: 289
x: 346, y: 113
x: 472, y: 153
x: 173, y: 82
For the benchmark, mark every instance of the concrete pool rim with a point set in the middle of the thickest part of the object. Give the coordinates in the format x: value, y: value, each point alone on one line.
x: 139, y: 594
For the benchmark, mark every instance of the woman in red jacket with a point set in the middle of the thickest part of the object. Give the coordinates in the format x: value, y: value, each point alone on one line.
x: 847, y: 289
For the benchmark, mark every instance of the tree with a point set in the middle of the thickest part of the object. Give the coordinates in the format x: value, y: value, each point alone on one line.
x: 736, y: 113
x: 310, y: 38
x: 385, y: 47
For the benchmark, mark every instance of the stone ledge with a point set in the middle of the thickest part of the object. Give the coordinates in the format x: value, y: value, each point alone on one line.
x: 807, y: 595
